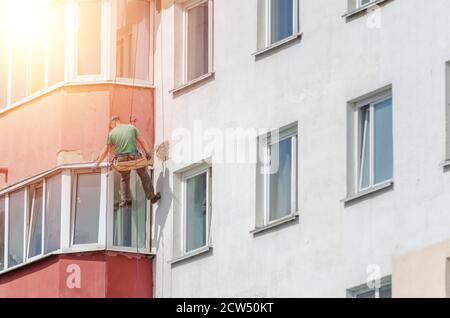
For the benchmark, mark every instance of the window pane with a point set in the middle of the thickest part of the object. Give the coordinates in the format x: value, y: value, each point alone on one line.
x: 386, y: 291
x: 133, y: 29
x: 3, y: 69
x: 383, y: 141
x: 2, y: 233
x: 89, y: 36
x: 16, y: 228
x: 52, y: 237
x: 87, y: 209
x: 196, y: 209
x: 365, y: 148
x: 281, y: 181
x: 56, y: 42
x: 35, y: 234
x: 198, y: 39
x: 19, y: 73
x: 282, y: 19
x: 37, y: 64
x: 130, y: 224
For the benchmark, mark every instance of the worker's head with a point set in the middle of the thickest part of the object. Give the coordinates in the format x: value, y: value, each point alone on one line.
x: 115, y: 120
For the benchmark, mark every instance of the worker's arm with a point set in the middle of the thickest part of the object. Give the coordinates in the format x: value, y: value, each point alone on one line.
x: 144, y: 145
x: 106, y: 149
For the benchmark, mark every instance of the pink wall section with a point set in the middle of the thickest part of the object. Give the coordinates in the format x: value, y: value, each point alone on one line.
x: 68, y: 119
x: 102, y: 274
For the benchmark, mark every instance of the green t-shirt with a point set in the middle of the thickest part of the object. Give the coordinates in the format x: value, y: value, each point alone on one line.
x: 123, y: 137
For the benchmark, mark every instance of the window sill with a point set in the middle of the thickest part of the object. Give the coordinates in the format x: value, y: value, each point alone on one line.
x: 193, y: 254
x: 370, y: 191
x: 275, y: 224
x: 192, y: 83
x: 446, y: 163
x: 363, y: 8
x: 278, y: 44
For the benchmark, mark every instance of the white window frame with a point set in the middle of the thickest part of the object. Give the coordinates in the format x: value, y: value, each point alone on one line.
x: 268, y: 24
x: 371, y: 102
x: 24, y: 248
x: 101, y: 230
x: 359, y: 3
x: 268, y: 141
x: 185, y: 177
x: 29, y: 94
x: 113, y: 52
x: 32, y: 190
x: 5, y: 255
x: 110, y: 221
x: 188, y: 6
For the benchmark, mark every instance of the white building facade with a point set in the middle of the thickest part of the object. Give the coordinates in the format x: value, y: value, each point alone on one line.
x: 308, y: 148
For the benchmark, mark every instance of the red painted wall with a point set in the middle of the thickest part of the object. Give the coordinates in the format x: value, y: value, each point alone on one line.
x: 101, y: 274
x: 68, y: 119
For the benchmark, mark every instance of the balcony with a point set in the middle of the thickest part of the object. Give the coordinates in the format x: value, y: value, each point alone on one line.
x: 71, y: 209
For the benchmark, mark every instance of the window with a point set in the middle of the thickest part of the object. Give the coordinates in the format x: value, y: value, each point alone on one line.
x: 277, y: 21
x: 197, y: 35
x: 362, y: 3
x: 3, y: 70
x: 196, y: 209
x: 36, y: 61
x: 70, y: 210
x: 16, y: 228
x: 364, y: 291
x: 370, y: 151
x: 56, y: 43
x: 281, y: 19
x: 35, y: 219
x: 72, y: 43
x: 357, y: 6
x: 376, y: 144
x: 52, y: 228
x: 89, y: 37
x: 2, y: 233
x: 19, y: 72
x: 133, y: 39
x: 279, y: 175
x: 30, y: 63
x: 197, y: 39
x: 86, y: 208
x: 447, y: 111
x: 129, y: 226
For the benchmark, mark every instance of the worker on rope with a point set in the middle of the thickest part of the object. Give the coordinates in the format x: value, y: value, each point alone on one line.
x: 123, y: 138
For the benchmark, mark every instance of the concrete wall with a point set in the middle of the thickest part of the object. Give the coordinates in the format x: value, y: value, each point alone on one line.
x: 310, y: 81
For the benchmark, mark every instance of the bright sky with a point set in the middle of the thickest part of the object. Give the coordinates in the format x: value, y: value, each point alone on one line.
x: 23, y: 19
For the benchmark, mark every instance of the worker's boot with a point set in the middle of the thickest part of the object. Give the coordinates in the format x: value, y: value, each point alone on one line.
x: 155, y: 198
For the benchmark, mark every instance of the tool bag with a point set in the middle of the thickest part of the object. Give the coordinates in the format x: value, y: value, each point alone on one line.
x: 123, y: 166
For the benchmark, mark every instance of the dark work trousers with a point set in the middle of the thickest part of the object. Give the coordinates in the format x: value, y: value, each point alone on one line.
x: 146, y: 180
x: 125, y: 200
